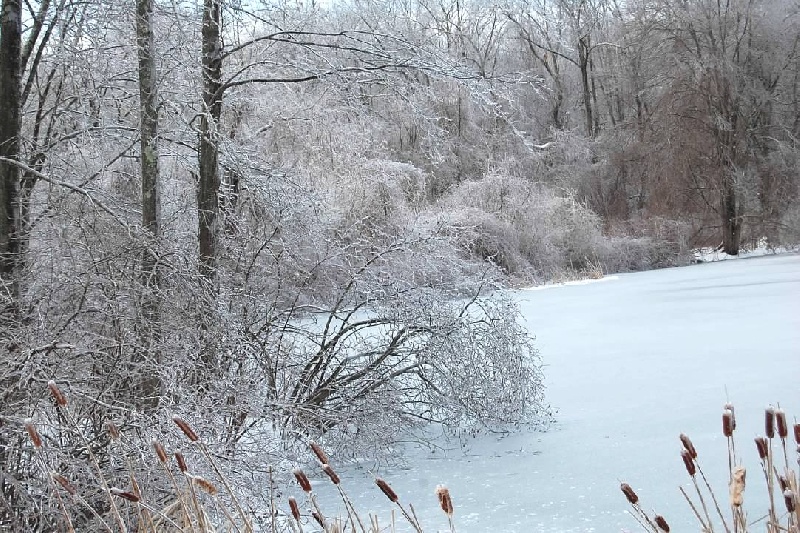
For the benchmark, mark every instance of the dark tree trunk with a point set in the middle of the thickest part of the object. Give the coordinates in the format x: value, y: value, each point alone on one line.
x: 149, y: 385
x: 10, y: 127
x: 731, y: 221
x: 584, y: 49
x: 209, y: 174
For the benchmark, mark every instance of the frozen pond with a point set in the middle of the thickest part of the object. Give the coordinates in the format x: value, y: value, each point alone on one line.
x: 631, y: 362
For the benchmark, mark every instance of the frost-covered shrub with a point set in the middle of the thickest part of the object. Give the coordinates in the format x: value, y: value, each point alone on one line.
x: 527, y: 229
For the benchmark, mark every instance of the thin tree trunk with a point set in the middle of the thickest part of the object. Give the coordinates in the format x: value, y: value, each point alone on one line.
x: 10, y: 127
x: 149, y: 385
x: 731, y: 222
x: 209, y: 175
x: 583, y: 64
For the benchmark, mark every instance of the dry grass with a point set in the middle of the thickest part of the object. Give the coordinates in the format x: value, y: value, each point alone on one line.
x: 196, y: 504
x: 714, y: 513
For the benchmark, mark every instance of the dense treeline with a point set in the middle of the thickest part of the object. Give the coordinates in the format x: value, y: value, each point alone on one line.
x: 289, y: 218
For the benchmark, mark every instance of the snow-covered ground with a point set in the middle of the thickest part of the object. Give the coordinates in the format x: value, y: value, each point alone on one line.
x: 630, y: 364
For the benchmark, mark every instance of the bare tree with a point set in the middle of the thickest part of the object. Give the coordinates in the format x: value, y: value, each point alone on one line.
x: 151, y: 197
x: 10, y: 128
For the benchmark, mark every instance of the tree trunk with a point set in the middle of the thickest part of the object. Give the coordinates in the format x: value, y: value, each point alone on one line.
x: 149, y: 385
x: 731, y: 222
x: 209, y: 175
x: 583, y: 64
x: 10, y: 127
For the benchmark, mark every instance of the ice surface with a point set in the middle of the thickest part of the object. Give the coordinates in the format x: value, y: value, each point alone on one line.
x: 630, y: 364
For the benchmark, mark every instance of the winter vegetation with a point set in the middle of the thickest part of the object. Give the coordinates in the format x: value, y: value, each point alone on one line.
x: 286, y: 220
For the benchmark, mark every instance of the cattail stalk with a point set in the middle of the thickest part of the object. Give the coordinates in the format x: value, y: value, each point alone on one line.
x: 195, y: 439
x: 65, y: 484
x: 392, y: 495
x: 638, y: 513
x: 704, y: 526
x: 61, y: 402
x: 348, y: 504
x: 446, y: 503
x: 320, y: 453
x: 36, y: 439
x: 295, y: 509
x: 163, y: 459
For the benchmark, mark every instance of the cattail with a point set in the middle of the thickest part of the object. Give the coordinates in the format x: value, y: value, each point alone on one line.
x: 64, y: 482
x: 318, y: 518
x: 445, y: 502
x: 320, y: 453
x: 788, y: 498
x: 780, y: 423
x: 331, y: 474
x: 797, y: 434
x: 204, y: 484
x: 762, y: 447
x: 783, y: 483
x: 729, y: 407
x: 302, y: 480
x: 661, y: 523
x: 186, y: 428
x: 161, y: 453
x: 687, y: 443
x: 36, y: 439
x: 131, y: 497
x: 113, y: 430
x: 295, y: 508
x: 629, y: 493
x: 727, y: 423
x: 769, y: 422
x: 387, y: 490
x: 181, y: 462
x: 686, y: 455
x: 58, y: 396
x: 737, y: 486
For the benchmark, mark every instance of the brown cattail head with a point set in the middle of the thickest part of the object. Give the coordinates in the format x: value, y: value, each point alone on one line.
x: 783, y: 483
x: 737, y: 486
x: 64, y: 482
x: 113, y: 430
x: 302, y: 480
x: 661, y: 523
x: 387, y: 490
x: 762, y: 447
x: 331, y: 474
x: 320, y: 453
x: 318, y: 519
x: 186, y: 428
x: 295, y: 508
x: 445, y: 501
x: 36, y: 439
x: 769, y: 422
x: 688, y: 462
x: 204, y: 484
x: 780, y: 423
x: 727, y: 423
x: 181, y: 462
x: 58, y: 396
x: 797, y: 434
x: 788, y: 498
x: 161, y: 453
x: 629, y: 493
x: 729, y: 407
x: 687, y: 444
x: 131, y: 497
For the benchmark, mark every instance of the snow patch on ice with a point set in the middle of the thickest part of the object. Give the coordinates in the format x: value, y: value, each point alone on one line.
x: 570, y: 283
x: 710, y: 255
